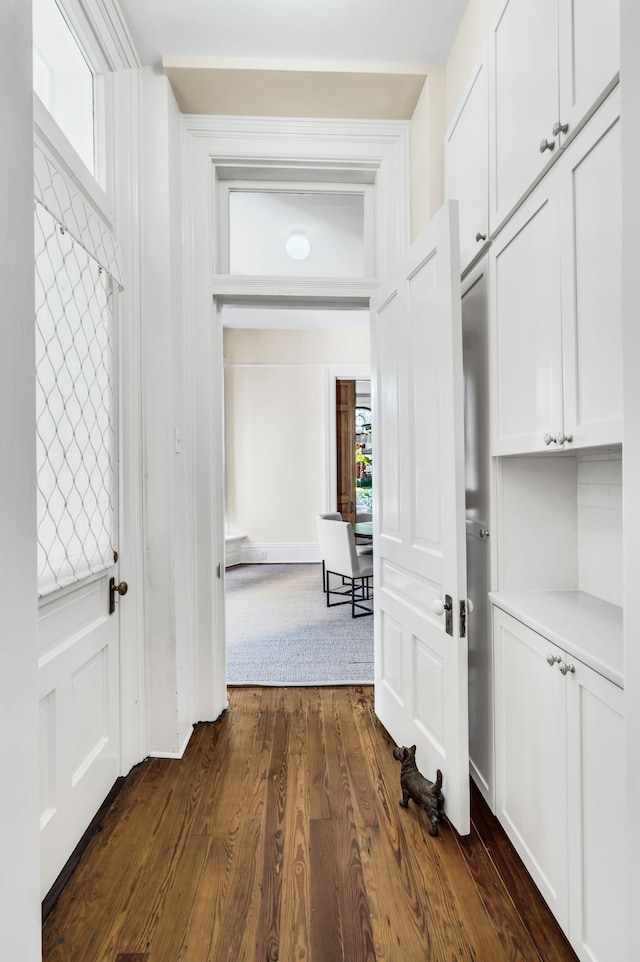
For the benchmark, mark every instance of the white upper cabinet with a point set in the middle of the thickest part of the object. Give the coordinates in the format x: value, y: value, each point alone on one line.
x: 591, y: 258
x: 589, y: 62
x: 467, y: 164
x: 550, y: 63
x: 555, y: 303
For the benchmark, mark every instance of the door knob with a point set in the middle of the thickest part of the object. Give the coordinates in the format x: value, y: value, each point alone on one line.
x: 546, y: 145
x: 564, y: 437
x: 440, y: 608
x: 565, y: 668
x: 114, y: 589
x: 552, y: 659
x: 559, y: 128
x: 481, y: 237
x: 548, y: 439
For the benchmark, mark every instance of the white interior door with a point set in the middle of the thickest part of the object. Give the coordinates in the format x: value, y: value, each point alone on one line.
x: 419, y: 533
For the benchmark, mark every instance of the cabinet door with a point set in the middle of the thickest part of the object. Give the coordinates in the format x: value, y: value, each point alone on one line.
x: 589, y: 174
x: 531, y: 755
x: 595, y: 740
x: 523, y: 84
x: 526, y: 326
x: 589, y: 57
x: 467, y: 165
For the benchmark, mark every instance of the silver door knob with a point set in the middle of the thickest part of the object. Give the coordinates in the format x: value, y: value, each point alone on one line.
x: 564, y: 437
x: 565, y: 668
x: 552, y: 659
x: 548, y: 439
x: 546, y: 145
x: 481, y: 237
x: 559, y: 128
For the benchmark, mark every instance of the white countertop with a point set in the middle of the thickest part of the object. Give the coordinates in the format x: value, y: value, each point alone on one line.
x: 584, y: 626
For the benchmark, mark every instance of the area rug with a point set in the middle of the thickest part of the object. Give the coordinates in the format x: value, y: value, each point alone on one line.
x: 280, y: 632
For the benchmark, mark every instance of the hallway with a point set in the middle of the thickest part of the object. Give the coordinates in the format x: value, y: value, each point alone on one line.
x: 279, y: 836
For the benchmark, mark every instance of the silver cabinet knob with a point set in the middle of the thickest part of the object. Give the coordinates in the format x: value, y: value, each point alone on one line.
x: 546, y: 145
x: 548, y: 439
x: 552, y: 659
x: 481, y: 237
x: 559, y: 128
x: 565, y: 668
x: 564, y: 437
x: 484, y: 532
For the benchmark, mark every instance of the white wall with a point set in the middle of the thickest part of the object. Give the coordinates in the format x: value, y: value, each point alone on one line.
x: 630, y: 76
x: 466, y: 49
x: 276, y: 429
x: 19, y: 789
x: 428, y: 127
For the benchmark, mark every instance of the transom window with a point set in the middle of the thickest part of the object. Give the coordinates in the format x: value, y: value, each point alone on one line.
x: 62, y: 79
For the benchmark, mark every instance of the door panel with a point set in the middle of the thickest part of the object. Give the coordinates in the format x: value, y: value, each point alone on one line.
x: 346, y: 453
x: 419, y: 530
x: 79, y: 721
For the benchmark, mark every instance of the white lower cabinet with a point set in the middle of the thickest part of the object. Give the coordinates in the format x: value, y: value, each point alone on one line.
x: 559, y: 782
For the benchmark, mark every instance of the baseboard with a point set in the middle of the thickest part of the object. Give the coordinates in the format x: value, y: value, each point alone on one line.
x: 233, y: 549
x: 71, y: 864
x: 180, y: 751
x: 482, y: 784
x: 280, y: 553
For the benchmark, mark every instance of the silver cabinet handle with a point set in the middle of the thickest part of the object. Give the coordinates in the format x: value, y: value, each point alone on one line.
x: 559, y: 128
x: 481, y: 237
x: 564, y: 437
x: 565, y: 668
x: 546, y: 145
x: 552, y: 659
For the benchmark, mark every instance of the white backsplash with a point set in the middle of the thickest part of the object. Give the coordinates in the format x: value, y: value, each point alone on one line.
x: 600, y: 526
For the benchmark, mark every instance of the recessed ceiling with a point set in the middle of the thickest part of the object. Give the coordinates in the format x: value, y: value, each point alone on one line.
x: 374, y: 31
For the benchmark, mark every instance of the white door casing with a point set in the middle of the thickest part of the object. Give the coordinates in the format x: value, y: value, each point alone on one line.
x: 419, y: 526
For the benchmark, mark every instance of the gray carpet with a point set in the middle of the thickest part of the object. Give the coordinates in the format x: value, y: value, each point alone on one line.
x: 280, y: 632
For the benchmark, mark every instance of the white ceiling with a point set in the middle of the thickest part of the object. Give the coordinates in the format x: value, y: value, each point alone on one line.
x: 284, y: 319
x: 373, y: 31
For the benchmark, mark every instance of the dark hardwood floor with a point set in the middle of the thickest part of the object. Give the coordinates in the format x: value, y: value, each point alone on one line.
x: 279, y: 836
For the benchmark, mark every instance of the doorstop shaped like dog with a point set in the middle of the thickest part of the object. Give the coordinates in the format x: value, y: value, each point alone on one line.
x: 424, y: 793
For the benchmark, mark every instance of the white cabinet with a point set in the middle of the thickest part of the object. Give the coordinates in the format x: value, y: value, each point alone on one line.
x: 550, y: 63
x: 559, y: 782
x: 555, y: 302
x: 467, y: 164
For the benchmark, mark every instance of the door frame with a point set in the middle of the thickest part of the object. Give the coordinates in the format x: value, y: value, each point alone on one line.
x: 324, y: 149
x: 335, y: 372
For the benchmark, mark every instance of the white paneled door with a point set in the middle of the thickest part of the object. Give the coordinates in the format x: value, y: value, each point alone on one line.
x: 419, y: 533
x: 76, y: 443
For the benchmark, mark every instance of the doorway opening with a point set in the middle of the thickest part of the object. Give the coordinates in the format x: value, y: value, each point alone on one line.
x: 281, y: 370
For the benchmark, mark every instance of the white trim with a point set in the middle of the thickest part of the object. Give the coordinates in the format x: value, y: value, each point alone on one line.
x: 329, y: 293
x: 125, y: 163
x: 177, y: 754
x: 208, y: 142
x: 280, y: 553
x: 59, y: 152
x: 102, y: 33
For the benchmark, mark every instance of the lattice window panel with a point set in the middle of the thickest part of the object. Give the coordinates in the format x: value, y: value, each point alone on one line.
x: 74, y: 408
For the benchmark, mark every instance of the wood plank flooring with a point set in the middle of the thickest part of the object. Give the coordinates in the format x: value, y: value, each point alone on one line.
x: 279, y: 836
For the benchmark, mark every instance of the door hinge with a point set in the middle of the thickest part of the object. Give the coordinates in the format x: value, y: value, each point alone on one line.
x: 463, y: 619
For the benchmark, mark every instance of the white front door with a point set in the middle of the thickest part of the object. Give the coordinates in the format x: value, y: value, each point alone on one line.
x: 419, y: 522
x: 76, y: 406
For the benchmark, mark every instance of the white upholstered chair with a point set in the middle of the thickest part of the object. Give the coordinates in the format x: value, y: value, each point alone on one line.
x: 341, y: 559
